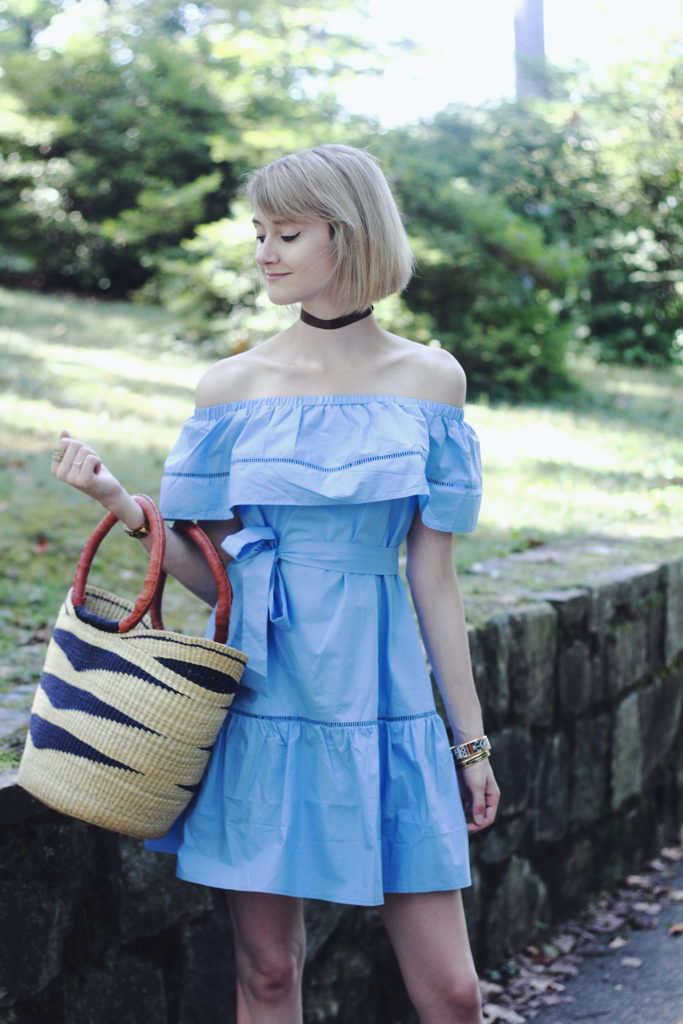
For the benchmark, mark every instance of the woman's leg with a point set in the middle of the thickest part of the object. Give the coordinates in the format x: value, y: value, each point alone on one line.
x: 270, y: 942
x: 429, y: 934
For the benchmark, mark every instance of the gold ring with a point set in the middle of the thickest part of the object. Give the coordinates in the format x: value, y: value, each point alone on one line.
x: 58, y: 453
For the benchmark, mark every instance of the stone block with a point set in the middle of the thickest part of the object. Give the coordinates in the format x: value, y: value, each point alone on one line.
x: 149, y: 897
x: 514, y: 909
x: 575, y: 679
x: 532, y: 664
x: 551, y: 789
x: 660, y: 709
x: 122, y: 988
x: 627, y: 618
x: 16, y: 804
x: 322, y: 921
x: 490, y: 653
x: 205, y: 970
x: 497, y: 843
x: 627, y: 655
x: 627, y: 764
x: 511, y: 759
x: 355, y: 976
x: 45, y: 873
x: 673, y: 591
x: 625, y: 589
x: 572, y: 607
x: 571, y: 875
x: 590, y: 771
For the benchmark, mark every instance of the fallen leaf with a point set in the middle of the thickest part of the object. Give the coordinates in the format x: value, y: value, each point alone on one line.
x: 638, y: 882
x: 552, y: 1000
x: 631, y: 961
x: 674, y: 853
x: 648, y: 908
x: 489, y: 988
x: 494, y: 1013
x: 563, y: 969
x: 606, y: 922
x: 41, y: 546
x: 657, y: 864
x: 676, y: 929
x: 618, y: 943
x: 565, y: 943
x: 676, y: 895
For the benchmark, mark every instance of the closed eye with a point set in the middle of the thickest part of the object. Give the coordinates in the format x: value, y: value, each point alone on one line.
x: 290, y: 238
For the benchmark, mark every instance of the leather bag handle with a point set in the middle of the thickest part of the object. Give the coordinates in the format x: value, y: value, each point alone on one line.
x: 223, y: 585
x: 155, y: 576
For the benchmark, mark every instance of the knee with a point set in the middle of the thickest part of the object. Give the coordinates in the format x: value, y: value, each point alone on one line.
x: 272, y: 977
x: 456, y: 997
x: 463, y: 998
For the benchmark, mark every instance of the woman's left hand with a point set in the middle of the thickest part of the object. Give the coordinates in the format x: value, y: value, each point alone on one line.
x: 480, y: 794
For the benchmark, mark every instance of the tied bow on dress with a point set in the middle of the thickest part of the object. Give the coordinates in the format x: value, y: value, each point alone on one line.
x: 261, y: 592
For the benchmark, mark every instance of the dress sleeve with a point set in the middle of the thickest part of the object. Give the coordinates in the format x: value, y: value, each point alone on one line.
x: 196, y: 480
x: 453, y: 473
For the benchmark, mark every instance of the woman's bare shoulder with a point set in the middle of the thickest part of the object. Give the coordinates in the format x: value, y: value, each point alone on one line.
x: 434, y: 374
x: 228, y: 380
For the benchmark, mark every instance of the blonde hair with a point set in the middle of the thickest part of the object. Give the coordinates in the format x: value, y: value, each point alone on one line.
x: 345, y: 187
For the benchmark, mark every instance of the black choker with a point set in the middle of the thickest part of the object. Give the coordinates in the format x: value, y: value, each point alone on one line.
x: 332, y: 325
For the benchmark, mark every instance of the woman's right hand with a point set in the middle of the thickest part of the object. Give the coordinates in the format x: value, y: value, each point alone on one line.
x: 82, y: 468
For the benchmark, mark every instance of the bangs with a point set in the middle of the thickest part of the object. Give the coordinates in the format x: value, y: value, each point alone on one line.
x: 283, y: 192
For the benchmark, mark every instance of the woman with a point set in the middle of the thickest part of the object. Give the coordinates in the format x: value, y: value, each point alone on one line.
x: 309, y: 459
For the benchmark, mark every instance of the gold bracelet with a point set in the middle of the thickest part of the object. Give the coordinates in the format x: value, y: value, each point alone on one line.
x: 466, y: 762
x: 140, y: 531
x: 471, y: 747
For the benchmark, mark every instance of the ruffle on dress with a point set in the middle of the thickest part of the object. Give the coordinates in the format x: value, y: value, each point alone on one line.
x: 325, y: 450
x: 281, y: 811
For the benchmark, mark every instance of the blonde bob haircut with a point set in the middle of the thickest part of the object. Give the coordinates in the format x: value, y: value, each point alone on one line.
x: 345, y: 187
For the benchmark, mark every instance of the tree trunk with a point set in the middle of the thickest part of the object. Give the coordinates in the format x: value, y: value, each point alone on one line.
x: 530, y: 64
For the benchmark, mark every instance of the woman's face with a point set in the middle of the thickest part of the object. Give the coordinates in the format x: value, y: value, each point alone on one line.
x: 296, y: 258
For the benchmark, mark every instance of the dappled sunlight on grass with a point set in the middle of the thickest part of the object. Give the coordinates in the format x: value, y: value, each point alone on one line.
x: 611, y: 464
x: 31, y: 425
x: 105, y: 382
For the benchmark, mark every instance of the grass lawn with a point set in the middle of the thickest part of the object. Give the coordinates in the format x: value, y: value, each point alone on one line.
x: 611, y: 463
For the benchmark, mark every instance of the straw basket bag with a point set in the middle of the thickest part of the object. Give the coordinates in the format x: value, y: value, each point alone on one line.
x: 126, y: 712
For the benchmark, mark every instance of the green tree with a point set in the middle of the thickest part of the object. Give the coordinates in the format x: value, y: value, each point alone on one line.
x: 494, y: 289
x: 125, y: 133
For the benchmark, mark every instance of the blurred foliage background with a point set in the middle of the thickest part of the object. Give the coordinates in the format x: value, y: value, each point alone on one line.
x: 542, y: 228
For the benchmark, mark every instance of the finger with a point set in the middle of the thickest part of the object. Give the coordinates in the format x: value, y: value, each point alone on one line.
x: 68, y: 467
x: 491, y: 799
x: 58, y: 454
x: 87, y: 467
x: 479, y: 808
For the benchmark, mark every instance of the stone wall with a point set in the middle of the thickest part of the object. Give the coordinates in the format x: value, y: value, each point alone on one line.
x: 582, y: 690
x: 582, y: 687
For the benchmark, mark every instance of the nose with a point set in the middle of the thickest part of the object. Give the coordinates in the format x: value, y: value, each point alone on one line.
x: 266, y: 254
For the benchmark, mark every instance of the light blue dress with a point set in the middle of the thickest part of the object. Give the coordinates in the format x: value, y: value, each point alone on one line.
x: 332, y: 778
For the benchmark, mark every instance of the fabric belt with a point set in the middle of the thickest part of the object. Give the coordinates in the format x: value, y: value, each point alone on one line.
x: 258, y: 553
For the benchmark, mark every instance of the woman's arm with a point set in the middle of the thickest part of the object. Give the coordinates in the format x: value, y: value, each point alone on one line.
x: 82, y: 468
x: 436, y: 595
